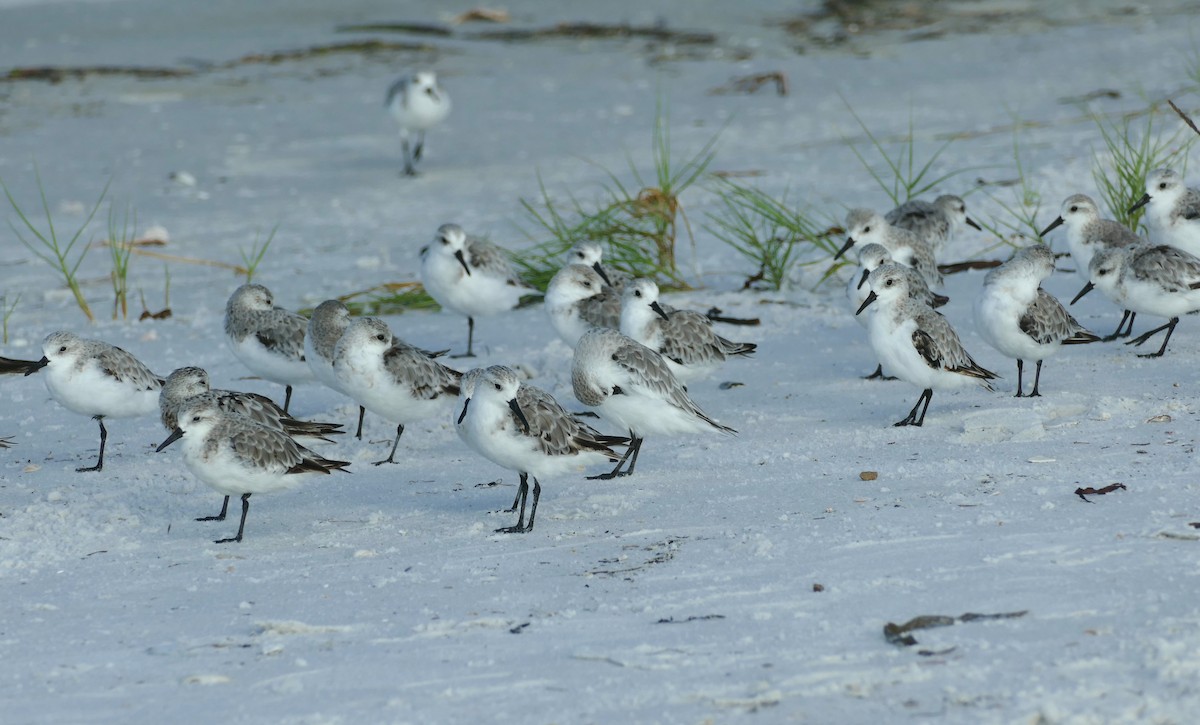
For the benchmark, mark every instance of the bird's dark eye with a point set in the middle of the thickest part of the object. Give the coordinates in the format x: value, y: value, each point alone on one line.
x: 445, y: 241
x: 380, y: 337
x: 888, y: 283
x: 1073, y: 209
x: 866, y: 229
x: 1163, y: 185
x: 497, y: 386
x: 63, y: 348
x: 614, y: 357
x: 195, y: 419
x: 637, y: 294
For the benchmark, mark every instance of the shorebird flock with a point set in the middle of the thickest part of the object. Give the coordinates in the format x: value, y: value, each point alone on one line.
x: 633, y: 354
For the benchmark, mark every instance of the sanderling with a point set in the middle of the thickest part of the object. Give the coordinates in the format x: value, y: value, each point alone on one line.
x: 418, y: 104
x: 524, y: 429
x: 97, y: 379
x: 470, y: 277
x: 391, y: 378
x: 185, y: 384
x: 631, y: 385
x: 1172, y: 211
x: 864, y: 226
x: 239, y: 457
x: 1087, y: 231
x: 935, y: 222
x: 1155, y: 280
x: 591, y: 254
x: 915, y: 343
x: 1020, y: 319
x: 267, y: 339
x: 685, y: 338
x: 329, y: 320
x: 578, y: 299
x: 871, y: 257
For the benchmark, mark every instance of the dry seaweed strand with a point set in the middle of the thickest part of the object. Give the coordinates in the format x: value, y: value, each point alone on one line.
x: 1083, y: 493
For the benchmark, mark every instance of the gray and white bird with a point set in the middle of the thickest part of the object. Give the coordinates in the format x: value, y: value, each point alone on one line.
x: 329, y: 320
x: 417, y: 103
x: 237, y: 456
x: 591, y: 254
x: 268, y: 340
x: 632, y: 386
x: 1172, y: 211
x: 685, y: 338
x: 915, y: 343
x: 1020, y: 319
x: 864, y: 226
x: 524, y: 429
x: 391, y: 378
x: 871, y: 257
x: 185, y: 385
x: 1155, y: 280
x: 1088, y: 232
x: 935, y: 222
x: 578, y: 299
x: 96, y: 379
x: 470, y: 277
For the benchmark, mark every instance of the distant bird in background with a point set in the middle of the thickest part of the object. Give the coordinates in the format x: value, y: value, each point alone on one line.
x: 418, y: 104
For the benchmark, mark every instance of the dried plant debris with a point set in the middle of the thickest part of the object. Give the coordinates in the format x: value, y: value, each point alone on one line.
x: 752, y: 83
x: 1083, y: 493
x: 58, y: 74
x: 410, y: 28
x: 486, y: 15
x: 898, y: 634
x: 714, y: 314
x: 957, y: 267
x: 1186, y: 118
x: 693, y: 618
x: 601, y: 31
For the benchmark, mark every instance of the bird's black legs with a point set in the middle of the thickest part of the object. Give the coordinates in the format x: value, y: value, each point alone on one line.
x: 1037, y: 378
x: 1169, y: 327
x: 912, y: 419
x: 392, y: 456
x: 522, y: 494
x: 634, y: 447
x: 418, y: 147
x: 220, y: 516
x: 1128, y: 315
x: 287, y: 398
x: 362, y: 412
x: 1020, y: 371
x: 242, y: 523
x: 470, y: 339
x: 103, y: 439
x: 877, y: 375
x: 409, y: 170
